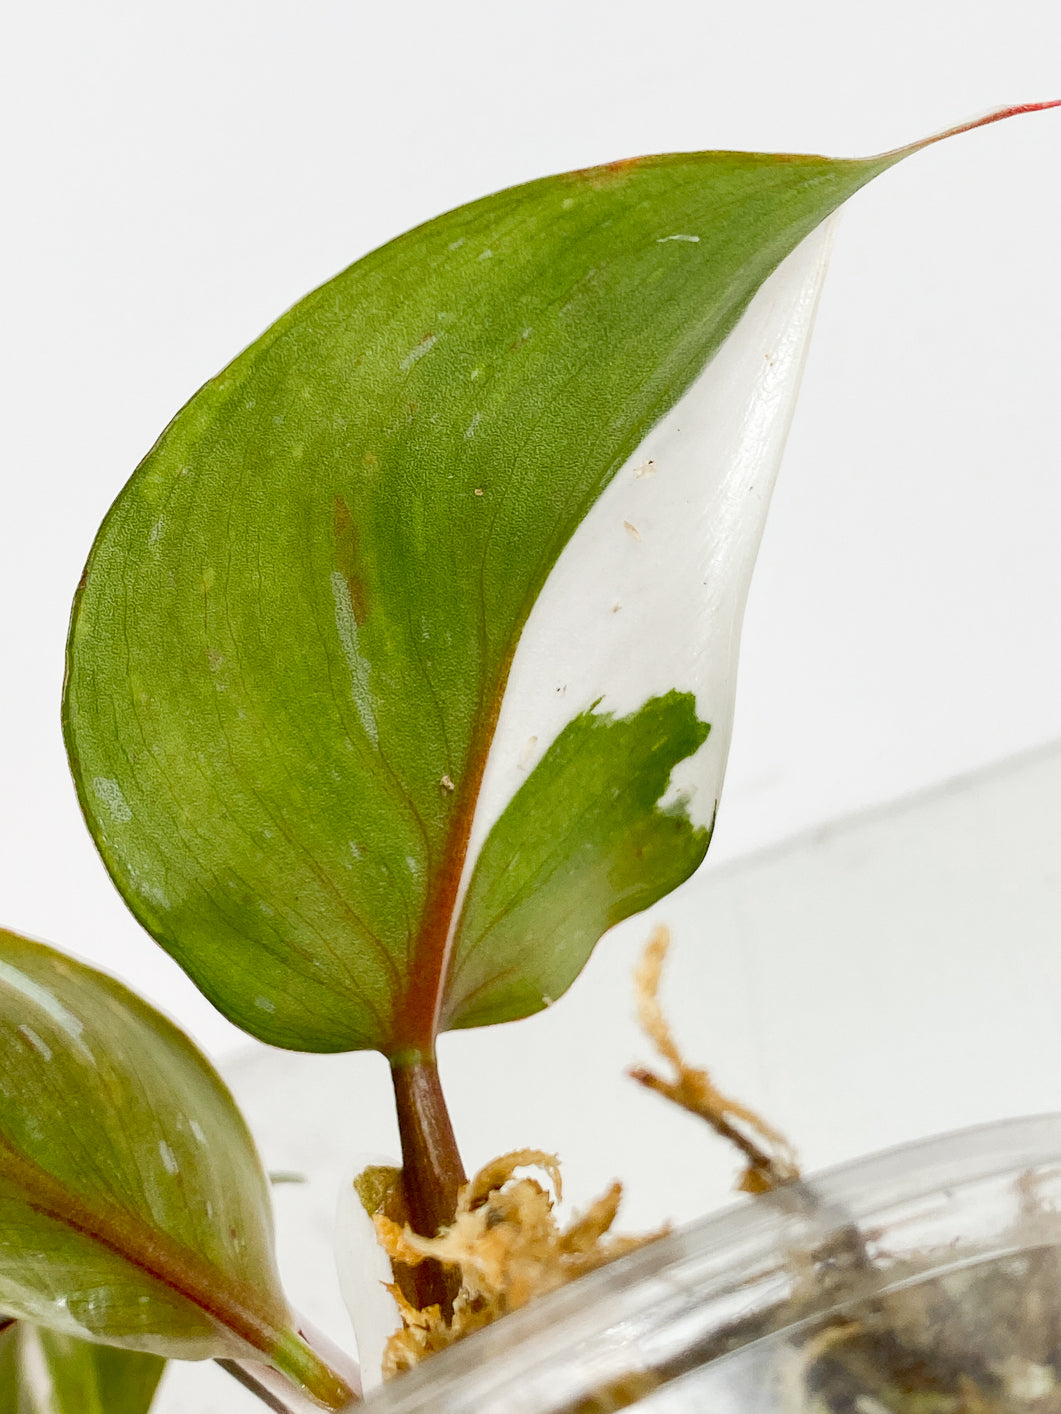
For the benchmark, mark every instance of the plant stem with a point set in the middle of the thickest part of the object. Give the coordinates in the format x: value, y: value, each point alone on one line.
x: 432, y: 1172
x: 274, y: 1391
x: 250, y: 1377
x: 311, y: 1373
x: 296, y: 1359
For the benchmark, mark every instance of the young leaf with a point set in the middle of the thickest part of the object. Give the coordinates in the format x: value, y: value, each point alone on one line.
x: 42, y: 1372
x: 133, y: 1208
x: 288, y: 656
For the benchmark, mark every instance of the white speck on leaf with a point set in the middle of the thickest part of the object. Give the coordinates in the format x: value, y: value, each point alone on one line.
x: 197, y: 1130
x: 456, y: 245
x: 48, y: 1003
x: 41, y: 1047
x: 447, y: 785
x: 168, y: 1157
x: 681, y: 236
x: 425, y: 345
x: 264, y: 1004
x: 470, y: 430
x: 110, y: 793
x: 346, y: 624
x: 486, y: 254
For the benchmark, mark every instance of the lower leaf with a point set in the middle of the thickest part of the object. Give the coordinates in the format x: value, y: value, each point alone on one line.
x: 133, y: 1206
x: 42, y: 1372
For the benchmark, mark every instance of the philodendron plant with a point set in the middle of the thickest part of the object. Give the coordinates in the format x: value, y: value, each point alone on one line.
x: 400, y: 671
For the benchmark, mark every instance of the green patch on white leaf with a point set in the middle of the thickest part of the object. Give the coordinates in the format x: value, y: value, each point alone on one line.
x: 584, y: 844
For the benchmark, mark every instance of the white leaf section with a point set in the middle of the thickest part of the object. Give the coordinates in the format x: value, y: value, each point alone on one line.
x: 36, y: 1393
x: 649, y: 593
x: 364, y: 1273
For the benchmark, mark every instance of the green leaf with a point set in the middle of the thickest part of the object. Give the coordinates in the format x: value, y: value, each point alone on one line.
x: 42, y: 1372
x: 289, y: 652
x: 12, y: 1399
x: 133, y: 1208
x: 583, y: 844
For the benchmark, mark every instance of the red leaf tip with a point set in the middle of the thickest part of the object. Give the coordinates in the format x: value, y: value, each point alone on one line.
x: 994, y: 116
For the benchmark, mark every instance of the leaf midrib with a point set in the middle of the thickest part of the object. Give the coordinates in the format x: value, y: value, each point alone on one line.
x: 151, y: 1252
x: 416, y: 1025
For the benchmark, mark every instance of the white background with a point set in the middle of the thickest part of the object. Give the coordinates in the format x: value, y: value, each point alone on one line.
x: 177, y: 174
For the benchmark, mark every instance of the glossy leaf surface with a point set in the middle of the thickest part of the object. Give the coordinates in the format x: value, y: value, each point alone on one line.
x: 288, y: 657
x: 42, y: 1372
x: 132, y: 1204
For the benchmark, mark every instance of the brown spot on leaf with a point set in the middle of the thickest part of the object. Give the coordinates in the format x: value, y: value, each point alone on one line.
x: 348, y: 559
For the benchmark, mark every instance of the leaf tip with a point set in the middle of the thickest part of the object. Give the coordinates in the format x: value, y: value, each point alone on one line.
x: 983, y: 120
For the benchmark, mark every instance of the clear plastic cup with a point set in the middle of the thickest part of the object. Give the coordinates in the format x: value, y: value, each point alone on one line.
x: 926, y: 1280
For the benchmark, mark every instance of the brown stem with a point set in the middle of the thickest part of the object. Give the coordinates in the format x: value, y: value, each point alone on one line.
x: 432, y: 1172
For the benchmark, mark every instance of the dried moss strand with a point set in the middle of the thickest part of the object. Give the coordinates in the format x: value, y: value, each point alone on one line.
x: 771, y: 1161
x: 505, y: 1247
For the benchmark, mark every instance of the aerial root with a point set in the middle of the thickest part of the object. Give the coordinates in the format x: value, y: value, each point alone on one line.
x: 770, y: 1159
